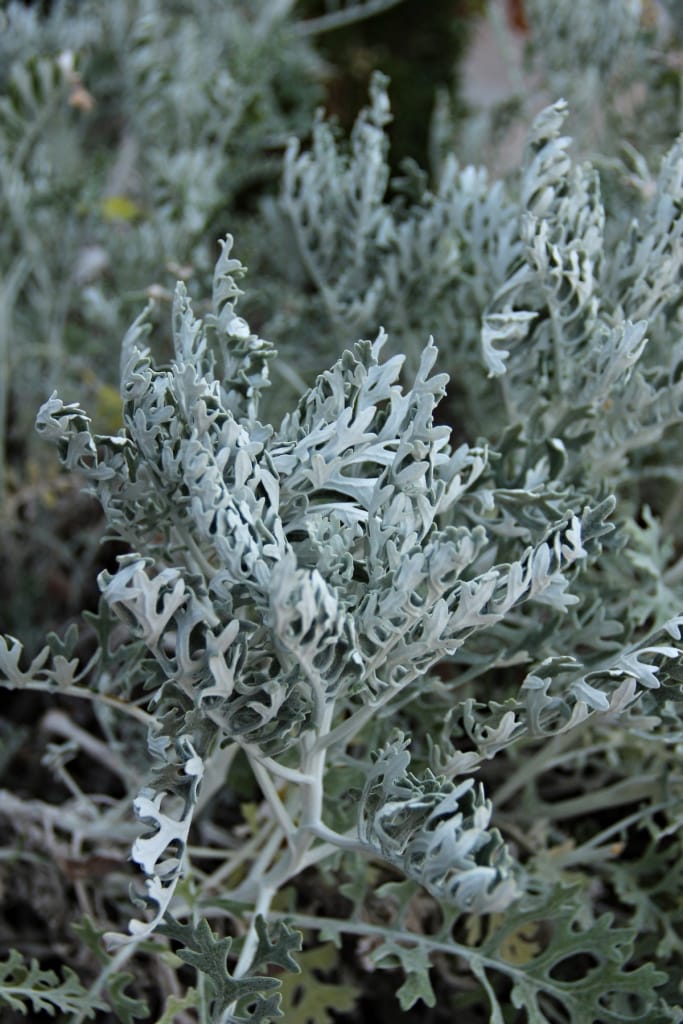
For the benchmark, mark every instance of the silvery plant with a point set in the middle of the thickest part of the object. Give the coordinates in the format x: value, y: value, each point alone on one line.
x: 384, y: 693
x: 408, y: 646
x: 127, y: 129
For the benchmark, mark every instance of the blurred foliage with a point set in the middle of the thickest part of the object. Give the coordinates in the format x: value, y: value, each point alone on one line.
x: 418, y: 46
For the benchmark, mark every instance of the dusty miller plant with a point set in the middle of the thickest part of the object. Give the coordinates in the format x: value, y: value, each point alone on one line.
x: 127, y: 131
x: 558, y: 318
x: 435, y: 670
x: 488, y: 264
x: 290, y: 594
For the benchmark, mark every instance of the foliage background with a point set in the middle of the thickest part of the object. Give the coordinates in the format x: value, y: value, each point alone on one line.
x: 120, y: 170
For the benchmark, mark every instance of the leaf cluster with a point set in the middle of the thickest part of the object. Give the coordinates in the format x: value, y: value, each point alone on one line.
x: 401, y: 667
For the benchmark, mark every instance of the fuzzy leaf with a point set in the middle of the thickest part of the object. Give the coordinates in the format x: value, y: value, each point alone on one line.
x: 206, y: 952
x: 23, y: 985
x: 582, y: 968
x: 415, y: 963
x: 436, y: 832
x: 275, y: 946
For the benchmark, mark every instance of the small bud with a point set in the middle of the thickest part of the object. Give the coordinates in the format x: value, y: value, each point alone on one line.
x: 158, y: 293
x: 81, y: 99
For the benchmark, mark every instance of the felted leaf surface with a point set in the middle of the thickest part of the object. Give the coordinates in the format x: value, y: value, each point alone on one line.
x: 583, y: 969
x: 436, y: 832
x: 127, y: 1008
x: 253, y: 995
x: 275, y: 946
x: 415, y: 964
x: 24, y: 985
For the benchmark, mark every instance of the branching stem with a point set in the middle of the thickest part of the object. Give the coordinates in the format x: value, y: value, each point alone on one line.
x: 272, y: 797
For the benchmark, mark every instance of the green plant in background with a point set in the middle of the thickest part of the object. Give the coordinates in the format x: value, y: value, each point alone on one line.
x: 392, y: 682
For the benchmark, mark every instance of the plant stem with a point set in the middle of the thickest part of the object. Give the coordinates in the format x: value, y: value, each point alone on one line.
x: 349, y: 728
x: 275, y: 768
x: 265, y: 898
x: 535, y: 765
x: 244, y: 891
x: 112, y: 967
x: 627, y: 791
x: 359, y: 11
x: 47, y: 686
x: 58, y: 722
x: 585, y: 853
x: 272, y: 797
